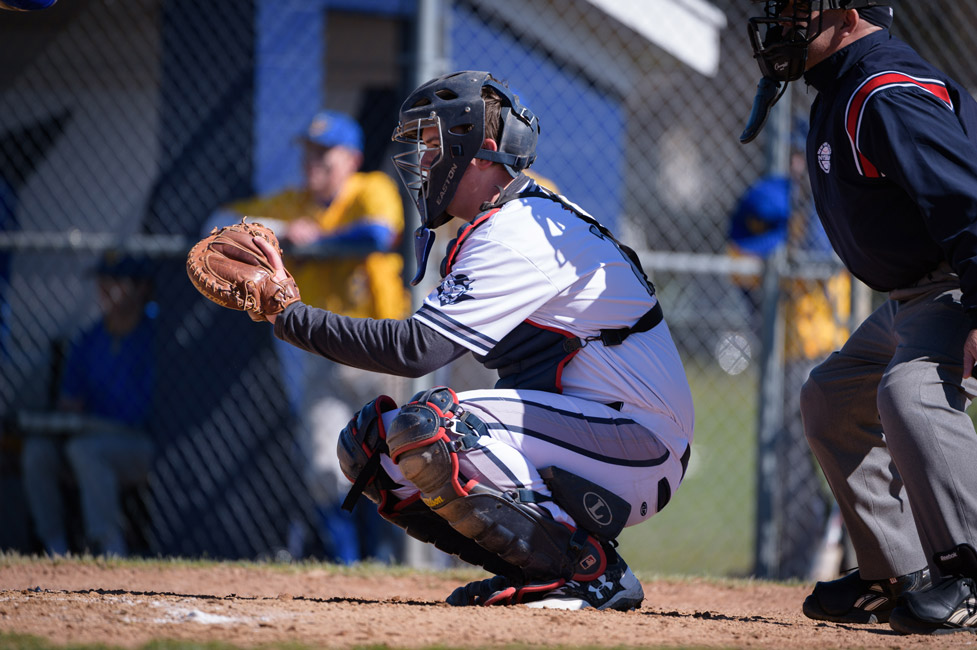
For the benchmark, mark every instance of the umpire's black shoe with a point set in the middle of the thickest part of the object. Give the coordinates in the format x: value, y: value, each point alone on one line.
x: 853, y: 600
x: 950, y: 606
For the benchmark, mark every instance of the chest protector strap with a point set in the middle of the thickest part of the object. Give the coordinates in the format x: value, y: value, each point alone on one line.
x: 532, y: 356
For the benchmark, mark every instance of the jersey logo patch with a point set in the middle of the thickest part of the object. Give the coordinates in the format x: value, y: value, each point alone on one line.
x: 824, y: 158
x: 454, y: 289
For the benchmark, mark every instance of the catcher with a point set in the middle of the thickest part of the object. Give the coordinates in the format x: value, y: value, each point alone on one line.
x: 589, y: 425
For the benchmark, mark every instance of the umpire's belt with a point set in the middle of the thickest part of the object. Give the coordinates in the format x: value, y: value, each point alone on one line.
x: 617, y: 336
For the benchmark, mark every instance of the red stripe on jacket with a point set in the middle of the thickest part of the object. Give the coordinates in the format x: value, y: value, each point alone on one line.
x: 856, y: 105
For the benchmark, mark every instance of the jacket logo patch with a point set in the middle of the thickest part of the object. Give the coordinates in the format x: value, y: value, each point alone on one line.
x: 824, y: 158
x: 454, y: 289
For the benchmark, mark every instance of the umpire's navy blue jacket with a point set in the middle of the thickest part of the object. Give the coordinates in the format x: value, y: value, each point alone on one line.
x: 892, y: 154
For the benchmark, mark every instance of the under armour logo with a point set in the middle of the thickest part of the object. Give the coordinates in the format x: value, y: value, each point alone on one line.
x: 599, y: 585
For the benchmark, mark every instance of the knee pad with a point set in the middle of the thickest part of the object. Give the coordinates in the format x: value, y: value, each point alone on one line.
x: 418, y: 442
x: 360, y: 445
x: 595, y: 509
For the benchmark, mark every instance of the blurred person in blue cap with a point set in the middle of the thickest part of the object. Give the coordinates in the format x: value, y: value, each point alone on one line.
x: 758, y: 224
x: 340, y: 231
x: 107, y: 384
x: 758, y: 227
x: 771, y: 215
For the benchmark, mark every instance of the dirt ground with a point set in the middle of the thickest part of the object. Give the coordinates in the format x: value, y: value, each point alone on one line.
x: 129, y: 605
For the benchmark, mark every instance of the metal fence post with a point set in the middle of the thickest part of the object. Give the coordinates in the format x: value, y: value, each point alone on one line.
x: 430, y: 35
x: 770, y: 411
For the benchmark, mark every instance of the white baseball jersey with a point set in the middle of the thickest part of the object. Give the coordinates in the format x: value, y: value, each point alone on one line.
x: 621, y: 415
x: 534, y: 261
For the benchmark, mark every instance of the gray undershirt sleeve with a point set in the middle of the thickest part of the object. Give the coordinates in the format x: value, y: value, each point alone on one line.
x: 405, y: 348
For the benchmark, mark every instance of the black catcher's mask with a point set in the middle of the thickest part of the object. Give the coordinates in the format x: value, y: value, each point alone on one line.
x: 450, y: 108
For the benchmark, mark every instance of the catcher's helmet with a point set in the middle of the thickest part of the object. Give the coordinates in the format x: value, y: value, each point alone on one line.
x: 781, y: 49
x: 453, y: 105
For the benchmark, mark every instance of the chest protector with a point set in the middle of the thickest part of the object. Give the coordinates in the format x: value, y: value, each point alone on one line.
x: 531, y: 357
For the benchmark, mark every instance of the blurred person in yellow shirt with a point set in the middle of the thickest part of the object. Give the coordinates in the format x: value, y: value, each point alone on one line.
x: 340, y: 232
x: 339, y: 208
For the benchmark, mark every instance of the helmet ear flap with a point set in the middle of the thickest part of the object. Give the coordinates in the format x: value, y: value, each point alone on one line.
x: 520, y: 133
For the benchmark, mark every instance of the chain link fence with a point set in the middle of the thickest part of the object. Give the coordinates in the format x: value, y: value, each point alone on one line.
x: 124, y: 126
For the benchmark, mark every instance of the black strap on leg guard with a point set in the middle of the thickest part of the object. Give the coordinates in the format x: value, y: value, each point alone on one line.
x: 359, y: 448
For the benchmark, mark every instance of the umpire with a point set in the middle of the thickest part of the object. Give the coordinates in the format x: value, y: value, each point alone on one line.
x: 892, y: 158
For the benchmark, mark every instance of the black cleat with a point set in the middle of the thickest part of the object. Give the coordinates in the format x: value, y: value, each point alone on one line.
x: 853, y: 600
x: 617, y: 588
x: 499, y: 590
x: 944, y: 608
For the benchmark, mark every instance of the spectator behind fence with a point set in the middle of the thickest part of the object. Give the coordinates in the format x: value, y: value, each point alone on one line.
x: 98, y: 432
x: 815, y: 312
x: 339, y: 208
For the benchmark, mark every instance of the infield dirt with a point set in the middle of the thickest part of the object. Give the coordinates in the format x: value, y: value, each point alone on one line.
x: 128, y: 605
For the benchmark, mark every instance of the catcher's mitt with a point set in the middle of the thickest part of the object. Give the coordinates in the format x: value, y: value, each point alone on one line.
x: 230, y: 269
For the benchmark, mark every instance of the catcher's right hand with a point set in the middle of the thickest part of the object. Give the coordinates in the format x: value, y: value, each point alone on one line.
x: 240, y: 267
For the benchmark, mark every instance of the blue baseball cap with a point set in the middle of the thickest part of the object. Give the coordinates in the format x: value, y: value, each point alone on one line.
x: 334, y: 129
x: 758, y: 224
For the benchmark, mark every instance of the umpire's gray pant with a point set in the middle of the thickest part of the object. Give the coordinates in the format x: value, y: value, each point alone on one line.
x: 885, y: 416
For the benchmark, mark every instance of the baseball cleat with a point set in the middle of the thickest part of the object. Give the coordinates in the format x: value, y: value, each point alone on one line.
x: 944, y: 608
x: 617, y: 588
x: 853, y: 600
x: 499, y: 590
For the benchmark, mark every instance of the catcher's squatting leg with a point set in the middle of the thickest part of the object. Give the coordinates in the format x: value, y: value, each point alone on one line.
x: 504, y: 532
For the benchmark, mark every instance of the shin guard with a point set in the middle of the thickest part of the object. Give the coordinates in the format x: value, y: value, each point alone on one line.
x: 423, y: 524
x: 360, y: 445
x: 424, y: 440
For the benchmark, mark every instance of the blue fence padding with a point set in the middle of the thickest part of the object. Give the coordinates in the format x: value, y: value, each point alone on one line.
x: 289, y: 76
x: 386, y: 7
x: 582, y: 129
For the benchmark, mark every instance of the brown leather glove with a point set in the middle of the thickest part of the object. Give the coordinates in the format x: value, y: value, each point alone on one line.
x: 230, y: 269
